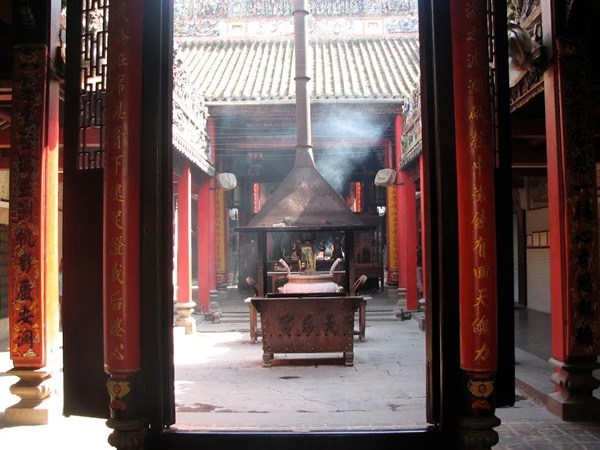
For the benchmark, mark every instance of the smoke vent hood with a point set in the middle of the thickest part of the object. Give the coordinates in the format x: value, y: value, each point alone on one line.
x: 304, y: 199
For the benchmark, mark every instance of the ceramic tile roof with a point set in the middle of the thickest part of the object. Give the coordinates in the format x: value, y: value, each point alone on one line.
x: 360, y: 69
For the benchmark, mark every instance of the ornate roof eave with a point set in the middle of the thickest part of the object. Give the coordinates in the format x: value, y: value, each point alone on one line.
x: 188, y: 151
x: 529, y: 87
x: 411, y: 157
x: 532, y: 83
x: 243, y: 108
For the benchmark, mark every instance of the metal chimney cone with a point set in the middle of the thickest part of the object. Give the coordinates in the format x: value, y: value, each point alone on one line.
x: 304, y: 199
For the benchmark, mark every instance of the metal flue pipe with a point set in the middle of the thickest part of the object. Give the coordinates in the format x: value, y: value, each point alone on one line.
x: 304, y: 153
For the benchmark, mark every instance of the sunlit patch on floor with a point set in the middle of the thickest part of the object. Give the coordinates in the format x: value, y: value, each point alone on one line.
x: 196, y: 407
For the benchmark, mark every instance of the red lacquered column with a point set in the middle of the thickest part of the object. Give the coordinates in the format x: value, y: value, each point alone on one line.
x: 122, y: 219
x: 424, y: 195
x: 32, y: 242
x: 184, y: 241
x: 212, y: 233
x: 203, y: 245
x: 573, y: 223
x: 184, y: 305
x: 476, y: 219
x: 408, y: 225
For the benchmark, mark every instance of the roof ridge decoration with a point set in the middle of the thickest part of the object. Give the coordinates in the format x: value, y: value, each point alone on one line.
x: 225, y: 18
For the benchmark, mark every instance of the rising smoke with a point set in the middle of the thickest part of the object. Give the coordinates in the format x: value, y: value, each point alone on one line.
x: 336, y: 163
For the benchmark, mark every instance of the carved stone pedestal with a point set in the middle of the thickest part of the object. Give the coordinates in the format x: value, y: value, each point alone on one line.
x: 185, y: 319
x: 127, y: 434
x: 478, y: 433
x: 400, y: 307
x: 575, y: 381
x: 421, y: 316
x: 34, y: 389
x: 215, y: 309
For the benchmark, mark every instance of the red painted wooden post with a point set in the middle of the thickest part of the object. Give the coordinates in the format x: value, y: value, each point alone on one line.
x: 122, y: 230
x: 212, y: 236
x: 33, y: 239
x: 424, y: 196
x: 203, y: 245
x: 407, y: 228
x: 184, y: 238
x: 409, y: 255
x: 573, y: 223
x: 476, y: 219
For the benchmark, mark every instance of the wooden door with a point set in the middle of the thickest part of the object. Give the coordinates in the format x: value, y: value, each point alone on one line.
x: 84, y: 378
x: 85, y: 391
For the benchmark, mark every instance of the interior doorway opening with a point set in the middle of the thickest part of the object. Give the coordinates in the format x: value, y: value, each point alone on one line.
x: 241, y: 78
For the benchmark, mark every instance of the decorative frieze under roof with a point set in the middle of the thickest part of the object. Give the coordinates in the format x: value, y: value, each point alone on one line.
x: 370, y: 69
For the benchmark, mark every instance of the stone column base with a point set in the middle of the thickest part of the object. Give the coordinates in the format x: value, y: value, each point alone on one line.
x: 36, y: 407
x: 574, y: 400
x: 400, y: 307
x: 127, y: 434
x: 185, y: 310
x: 478, y: 433
x: 215, y: 309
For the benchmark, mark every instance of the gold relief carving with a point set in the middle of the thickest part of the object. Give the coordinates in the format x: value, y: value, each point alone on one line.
x: 119, y: 159
x: 479, y: 220
x: 480, y: 299
x: 473, y: 60
x: 472, y: 35
x: 474, y: 86
x: 480, y: 247
x: 479, y: 194
x: 119, y: 135
x: 118, y: 352
x: 470, y: 9
x: 119, y: 111
x: 475, y: 113
x: 123, y: 61
x: 116, y: 327
x: 117, y: 390
x: 122, y: 35
x: 481, y: 389
x: 478, y: 165
x: 120, y: 82
x: 118, y: 193
x: 482, y: 353
x: 475, y: 141
x: 118, y: 219
x: 481, y: 325
x: 116, y: 301
x: 117, y: 273
x: 117, y: 246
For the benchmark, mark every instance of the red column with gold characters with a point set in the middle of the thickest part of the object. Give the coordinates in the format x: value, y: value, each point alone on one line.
x: 221, y: 221
x: 122, y: 220
x: 391, y: 225
x: 476, y: 219
x: 221, y: 236
x: 32, y: 243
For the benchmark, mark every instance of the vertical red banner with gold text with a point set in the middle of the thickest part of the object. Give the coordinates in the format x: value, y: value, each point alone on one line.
x: 475, y: 174
x: 26, y: 230
x: 221, y: 236
x: 122, y: 189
